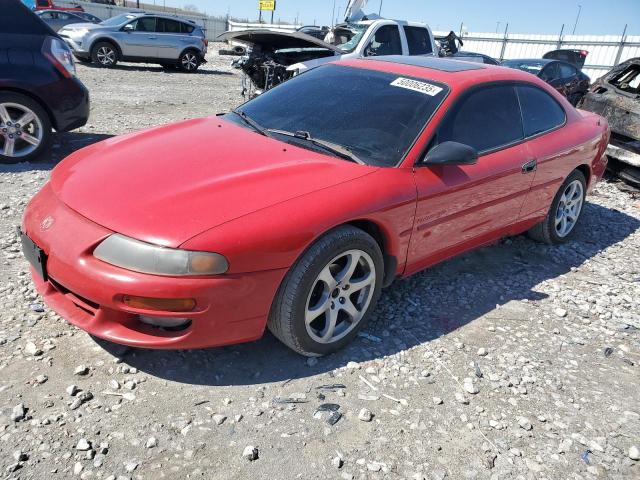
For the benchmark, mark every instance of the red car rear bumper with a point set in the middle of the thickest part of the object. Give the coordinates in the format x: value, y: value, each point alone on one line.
x: 88, y: 292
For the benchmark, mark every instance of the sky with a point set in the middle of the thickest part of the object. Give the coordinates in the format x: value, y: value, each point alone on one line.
x: 597, y: 17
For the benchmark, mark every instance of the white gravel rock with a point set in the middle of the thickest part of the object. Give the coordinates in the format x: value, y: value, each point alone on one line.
x: 365, y: 415
x: 250, y: 453
x: 83, y: 445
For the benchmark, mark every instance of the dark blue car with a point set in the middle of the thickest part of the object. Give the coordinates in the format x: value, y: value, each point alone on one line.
x: 39, y: 90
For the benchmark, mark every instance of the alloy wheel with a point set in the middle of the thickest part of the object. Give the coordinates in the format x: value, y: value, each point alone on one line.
x: 189, y: 61
x: 569, y: 208
x: 106, y: 56
x: 21, y: 130
x: 340, y: 296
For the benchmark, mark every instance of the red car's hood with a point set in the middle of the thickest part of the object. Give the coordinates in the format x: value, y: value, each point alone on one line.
x: 167, y: 184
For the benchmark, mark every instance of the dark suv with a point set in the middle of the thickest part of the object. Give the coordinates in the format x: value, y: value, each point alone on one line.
x: 38, y: 85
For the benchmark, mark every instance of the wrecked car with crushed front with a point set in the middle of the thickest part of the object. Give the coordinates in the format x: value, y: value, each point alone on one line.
x: 272, y: 57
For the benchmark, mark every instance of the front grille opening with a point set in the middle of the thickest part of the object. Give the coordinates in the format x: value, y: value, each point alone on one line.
x: 79, y: 301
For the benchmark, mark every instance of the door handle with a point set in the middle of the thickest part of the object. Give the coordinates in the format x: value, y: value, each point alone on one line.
x: 530, y: 166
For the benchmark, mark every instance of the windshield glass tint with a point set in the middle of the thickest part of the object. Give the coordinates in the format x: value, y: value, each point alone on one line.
x: 117, y: 20
x: 353, y: 107
x: 530, y: 67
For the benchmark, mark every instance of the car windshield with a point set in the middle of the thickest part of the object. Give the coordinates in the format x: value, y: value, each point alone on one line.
x: 530, y: 67
x: 347, y: 37
x: 117, y: 20
x: 374, y: 115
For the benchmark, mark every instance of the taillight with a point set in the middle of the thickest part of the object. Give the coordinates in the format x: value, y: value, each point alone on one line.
x: 60, y: 55
x: 584, y: 53
x: 206, y: 42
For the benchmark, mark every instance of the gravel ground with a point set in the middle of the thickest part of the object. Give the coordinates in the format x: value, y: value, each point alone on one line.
x: 514, y: 361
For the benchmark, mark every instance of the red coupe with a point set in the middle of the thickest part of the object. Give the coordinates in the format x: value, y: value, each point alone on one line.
x: 294, y: 210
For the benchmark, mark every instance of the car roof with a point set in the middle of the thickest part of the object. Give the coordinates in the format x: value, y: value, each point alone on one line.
x: 56, y: 11
x: 429, y: 62
x: 462, y: 76
x: 531, y: 60
x: 163, y: 15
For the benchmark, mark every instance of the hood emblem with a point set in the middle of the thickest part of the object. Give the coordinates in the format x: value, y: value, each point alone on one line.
x: 46, y: 223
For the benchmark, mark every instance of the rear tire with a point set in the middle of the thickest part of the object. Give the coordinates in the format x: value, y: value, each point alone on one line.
x: 329, y: 293
x: 189, y: 61
x: 25, y: 128
x: 104, y: 55
x: 564, y: 214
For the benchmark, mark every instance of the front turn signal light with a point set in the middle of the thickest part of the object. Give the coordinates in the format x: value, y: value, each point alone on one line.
x: 160, y: 304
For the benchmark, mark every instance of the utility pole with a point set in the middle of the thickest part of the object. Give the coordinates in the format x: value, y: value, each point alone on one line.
x: 333, y: 13
x: 577, y: 17
x: 380, y: 9
x: 497, y: 26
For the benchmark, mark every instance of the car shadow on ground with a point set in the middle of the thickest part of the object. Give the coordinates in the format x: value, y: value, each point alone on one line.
x: 408, y: 314
x: 62, y: 145
x: 158, y: 68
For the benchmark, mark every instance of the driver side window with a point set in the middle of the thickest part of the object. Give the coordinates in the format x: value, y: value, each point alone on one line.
x: 386, y: 41
x: 487, y: 119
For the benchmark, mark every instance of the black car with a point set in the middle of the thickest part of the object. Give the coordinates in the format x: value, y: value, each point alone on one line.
x: 474, y: 57
x: 570, y: 55
x: 38, y: 85
x: 564, y: 77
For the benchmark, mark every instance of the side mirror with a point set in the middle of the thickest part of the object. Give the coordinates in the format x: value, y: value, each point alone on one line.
x: 128, y: 28
x: 451, y: 153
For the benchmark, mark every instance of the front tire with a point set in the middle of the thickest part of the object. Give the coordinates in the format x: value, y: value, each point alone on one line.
x: 566, y: 208
x: 329, y: 293
x: 25, y: 128
x: 104, y: 55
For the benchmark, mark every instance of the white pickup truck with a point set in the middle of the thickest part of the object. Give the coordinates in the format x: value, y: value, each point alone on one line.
x: 274, y: 56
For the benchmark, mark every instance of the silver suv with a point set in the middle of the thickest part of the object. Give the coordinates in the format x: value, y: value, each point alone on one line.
x: 138, y: 37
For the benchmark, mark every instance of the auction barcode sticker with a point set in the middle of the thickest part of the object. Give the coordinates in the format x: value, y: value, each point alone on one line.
x: 422, y: 87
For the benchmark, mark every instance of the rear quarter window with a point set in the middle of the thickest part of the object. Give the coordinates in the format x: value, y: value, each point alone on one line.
x: 419, y: 40
x: 540, y: 112
x: 186, y: 28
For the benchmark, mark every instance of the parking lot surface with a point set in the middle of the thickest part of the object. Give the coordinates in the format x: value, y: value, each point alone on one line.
x: 518, y: 360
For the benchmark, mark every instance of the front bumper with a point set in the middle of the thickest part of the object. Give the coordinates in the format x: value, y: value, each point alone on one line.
x: 76, y: 46
x: 88, y: 293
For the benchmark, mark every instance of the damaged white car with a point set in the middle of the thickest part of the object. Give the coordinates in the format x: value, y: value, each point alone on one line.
x: 273, y: 57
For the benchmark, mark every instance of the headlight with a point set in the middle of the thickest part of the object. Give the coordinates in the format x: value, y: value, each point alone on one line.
x: 80, y: 32
x: 144, y: 257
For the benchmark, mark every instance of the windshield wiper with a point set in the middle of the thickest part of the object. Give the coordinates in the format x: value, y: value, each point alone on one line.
x: 338, y: 150
x: 251, y: 122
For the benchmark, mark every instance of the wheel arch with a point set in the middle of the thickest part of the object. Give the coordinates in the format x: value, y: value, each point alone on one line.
x: 190, y: 48
x: 52, y: 119
x: 107, y: 40
x: 586, y: 171
x: 380, y: 236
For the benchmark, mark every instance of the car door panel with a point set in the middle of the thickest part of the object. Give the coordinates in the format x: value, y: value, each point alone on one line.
x: 170, y: 41
x: 459, y: 205
x: 142, y: 41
